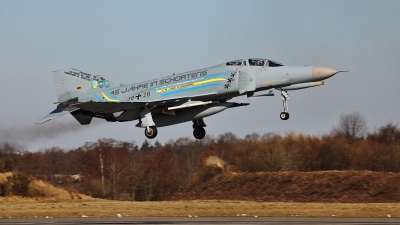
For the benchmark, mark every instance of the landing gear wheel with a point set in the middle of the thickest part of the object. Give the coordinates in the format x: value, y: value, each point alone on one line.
x: 284, y: 115
x: 150, y: 132
x: 199, y: 133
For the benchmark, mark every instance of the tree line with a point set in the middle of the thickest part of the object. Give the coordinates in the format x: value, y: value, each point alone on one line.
x: 119, y: 170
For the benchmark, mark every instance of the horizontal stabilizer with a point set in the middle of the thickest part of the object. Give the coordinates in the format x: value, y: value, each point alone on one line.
x: 54, y: 114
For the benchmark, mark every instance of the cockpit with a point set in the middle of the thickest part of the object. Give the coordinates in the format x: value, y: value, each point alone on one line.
x: 254, y: 62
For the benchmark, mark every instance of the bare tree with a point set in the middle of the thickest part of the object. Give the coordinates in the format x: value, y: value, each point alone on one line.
x: 352, y: 125
x: 116, y: 167
x: 136, y: 172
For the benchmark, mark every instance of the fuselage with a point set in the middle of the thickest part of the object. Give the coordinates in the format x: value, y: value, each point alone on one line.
x: 178, y: 98
x: 220, y: 82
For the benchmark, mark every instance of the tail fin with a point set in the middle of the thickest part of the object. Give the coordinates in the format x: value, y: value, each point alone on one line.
x: 71, y: 83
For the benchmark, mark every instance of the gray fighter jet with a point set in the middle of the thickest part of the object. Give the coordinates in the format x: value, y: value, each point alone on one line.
x: 179, y: 98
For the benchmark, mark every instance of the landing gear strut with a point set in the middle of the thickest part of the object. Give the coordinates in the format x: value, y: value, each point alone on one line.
x: 198, y: 130
x: 146, y: 121
x: 150, y: 132
x: 284, y: 115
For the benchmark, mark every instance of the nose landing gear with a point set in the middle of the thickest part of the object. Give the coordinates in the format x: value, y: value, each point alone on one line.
x: 285, y: 114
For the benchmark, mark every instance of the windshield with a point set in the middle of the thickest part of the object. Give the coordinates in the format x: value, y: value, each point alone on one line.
x: 257, y: 62
x: 235, y: 63
x: 272, y: 63
x: 254, y: 62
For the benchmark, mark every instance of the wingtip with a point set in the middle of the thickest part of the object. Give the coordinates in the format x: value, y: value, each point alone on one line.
x: 42, y: 121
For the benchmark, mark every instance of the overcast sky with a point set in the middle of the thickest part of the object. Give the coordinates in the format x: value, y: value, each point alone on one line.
x: 132, y: 41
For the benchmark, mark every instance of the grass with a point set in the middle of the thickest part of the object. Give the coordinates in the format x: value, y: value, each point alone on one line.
x: 54, y: 202
x: 3, y: 177
x: 29, y: 208
x: 39, y: 190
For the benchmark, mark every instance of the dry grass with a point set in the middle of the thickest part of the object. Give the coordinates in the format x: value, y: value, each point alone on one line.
x: 48, y: 192
x: 55, y: 202
x: 104, y: 208
x: 40, y: 190
x: 3, y: 177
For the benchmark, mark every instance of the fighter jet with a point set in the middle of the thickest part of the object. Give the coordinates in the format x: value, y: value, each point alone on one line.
x: 179, y: 98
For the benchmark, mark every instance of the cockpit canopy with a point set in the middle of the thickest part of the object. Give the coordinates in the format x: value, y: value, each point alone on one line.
x: 254, y: 62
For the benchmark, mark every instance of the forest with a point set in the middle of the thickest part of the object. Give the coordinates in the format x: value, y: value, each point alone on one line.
x: 119, y: 170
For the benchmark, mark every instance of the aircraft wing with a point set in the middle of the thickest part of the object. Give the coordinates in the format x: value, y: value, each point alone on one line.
x: 109, y: 107
x: 130, y: 108
x: 105, y: 107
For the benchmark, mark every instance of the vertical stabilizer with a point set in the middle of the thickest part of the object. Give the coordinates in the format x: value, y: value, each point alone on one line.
x: 71, y: 83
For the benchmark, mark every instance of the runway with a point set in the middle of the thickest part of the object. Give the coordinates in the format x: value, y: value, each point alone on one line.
x: 204, y: 220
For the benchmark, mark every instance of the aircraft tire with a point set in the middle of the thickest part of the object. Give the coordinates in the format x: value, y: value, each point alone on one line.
x: 152, y: 133
x: 284, y: 115
x: 199, y: 133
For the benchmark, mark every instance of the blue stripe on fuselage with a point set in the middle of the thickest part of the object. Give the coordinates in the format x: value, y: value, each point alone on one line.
x: 112, y: 96
x: 189, y: 89
x: 216, y: 75
x: 100, y: 99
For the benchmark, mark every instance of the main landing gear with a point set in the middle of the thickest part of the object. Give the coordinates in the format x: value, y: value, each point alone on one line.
x: 146, y: 121
x: 198, y: 131
x: 284, y: 115
x: 150, y: 132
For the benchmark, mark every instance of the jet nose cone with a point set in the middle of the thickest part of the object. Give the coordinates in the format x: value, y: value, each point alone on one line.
x: 321, y: 73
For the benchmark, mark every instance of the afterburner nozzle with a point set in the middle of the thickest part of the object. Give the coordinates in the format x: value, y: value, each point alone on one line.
x: 322, y: 73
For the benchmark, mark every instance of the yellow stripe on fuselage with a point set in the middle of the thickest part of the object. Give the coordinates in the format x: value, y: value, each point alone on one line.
x: 209, y: 81
x: 190, y: 85
x: 109, y: 99
x: 269, y: 82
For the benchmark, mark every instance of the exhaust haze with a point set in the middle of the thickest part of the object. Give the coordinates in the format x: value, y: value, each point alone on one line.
x: 25, y: 134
